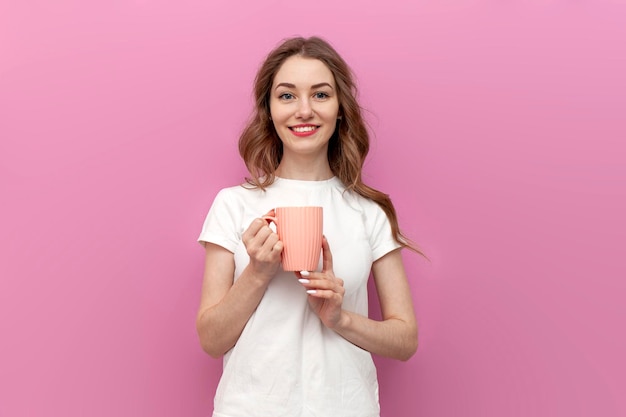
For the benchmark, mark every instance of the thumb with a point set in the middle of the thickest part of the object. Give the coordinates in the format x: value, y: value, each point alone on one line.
x: 327, y: 256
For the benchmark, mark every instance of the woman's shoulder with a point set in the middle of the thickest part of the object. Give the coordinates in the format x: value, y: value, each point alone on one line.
x: 366, y: 204
x: 238, y: 196
x: 242, y: 189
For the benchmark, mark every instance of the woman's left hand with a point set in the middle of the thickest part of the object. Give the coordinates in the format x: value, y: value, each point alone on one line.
x: 325, y: 290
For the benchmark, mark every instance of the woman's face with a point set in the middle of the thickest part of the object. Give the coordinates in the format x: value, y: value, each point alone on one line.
x: 304, y: 105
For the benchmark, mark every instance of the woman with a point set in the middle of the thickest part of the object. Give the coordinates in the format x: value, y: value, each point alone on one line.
x: 301, y: 346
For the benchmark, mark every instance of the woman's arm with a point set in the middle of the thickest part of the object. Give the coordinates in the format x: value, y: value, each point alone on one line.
x: 396, y: 335
x: 225, y: 307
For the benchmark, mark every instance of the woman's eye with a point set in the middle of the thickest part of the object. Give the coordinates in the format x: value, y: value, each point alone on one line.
x: 286, y: 96
x: 321, y: 95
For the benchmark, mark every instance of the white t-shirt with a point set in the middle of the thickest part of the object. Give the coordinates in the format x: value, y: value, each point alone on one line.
x: 286, y: 363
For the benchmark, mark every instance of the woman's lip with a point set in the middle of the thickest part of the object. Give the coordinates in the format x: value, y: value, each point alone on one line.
x: 303, y: 133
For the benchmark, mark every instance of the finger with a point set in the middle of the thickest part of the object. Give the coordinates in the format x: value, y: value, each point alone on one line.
x: 252, y: 241
x: 277, y: 246
x: 327, y: 256
x: 263, y: 236
x: 273, y: 252
x: 303, y: 277
x: 320, y: 276
x: 311, y: 275
x: 253, y: 229
x: 335, y: 286
x: 267, y: 240
x: 326, y: 294
x: 267, y: 251
x: 262, y: 242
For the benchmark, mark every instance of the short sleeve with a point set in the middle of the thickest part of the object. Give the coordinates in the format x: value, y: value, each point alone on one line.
x: 380, y: 235
x: 221, y: 226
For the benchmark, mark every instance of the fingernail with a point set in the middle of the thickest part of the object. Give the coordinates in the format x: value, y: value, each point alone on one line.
x: 311, y: 291
x: 304, y: 273
x: 303, y: 281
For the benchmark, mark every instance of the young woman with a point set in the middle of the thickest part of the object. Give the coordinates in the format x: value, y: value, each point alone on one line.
x: 301, y: 345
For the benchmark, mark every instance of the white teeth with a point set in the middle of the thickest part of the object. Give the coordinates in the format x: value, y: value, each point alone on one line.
x: 304, y: 129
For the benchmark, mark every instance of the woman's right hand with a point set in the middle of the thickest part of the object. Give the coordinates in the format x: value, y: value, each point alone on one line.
x: 263, y: 247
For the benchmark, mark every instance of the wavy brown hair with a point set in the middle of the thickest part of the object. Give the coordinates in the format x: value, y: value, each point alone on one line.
x: 262, y: 150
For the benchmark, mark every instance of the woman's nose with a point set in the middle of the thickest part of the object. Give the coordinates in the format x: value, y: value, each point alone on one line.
x: 305, y: 110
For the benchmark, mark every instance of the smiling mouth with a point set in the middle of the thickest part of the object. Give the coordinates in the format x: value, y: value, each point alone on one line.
x: 303, y: 129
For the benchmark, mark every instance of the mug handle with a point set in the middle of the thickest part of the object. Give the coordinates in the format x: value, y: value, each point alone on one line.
x: 270, y: 219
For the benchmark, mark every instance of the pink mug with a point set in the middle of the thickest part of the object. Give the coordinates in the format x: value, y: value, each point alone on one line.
x: 300, y: 229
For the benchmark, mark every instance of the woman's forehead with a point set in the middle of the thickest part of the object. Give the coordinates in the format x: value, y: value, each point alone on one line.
x: 303, y: 72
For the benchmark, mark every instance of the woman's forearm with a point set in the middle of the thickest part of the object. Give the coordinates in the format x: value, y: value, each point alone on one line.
x: 392, y: 338
x: 219, y: 326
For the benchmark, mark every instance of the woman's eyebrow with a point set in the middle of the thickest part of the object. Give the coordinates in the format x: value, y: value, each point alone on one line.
x: 289, y: 85
x: 321, y: 85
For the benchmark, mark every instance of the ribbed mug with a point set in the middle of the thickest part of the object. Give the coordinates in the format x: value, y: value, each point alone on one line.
x: 300, y: 229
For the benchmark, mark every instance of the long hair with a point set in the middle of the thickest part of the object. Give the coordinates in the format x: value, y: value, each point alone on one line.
x: 261, y: 148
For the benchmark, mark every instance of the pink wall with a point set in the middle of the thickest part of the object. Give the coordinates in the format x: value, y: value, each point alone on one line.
x: 500, y: 131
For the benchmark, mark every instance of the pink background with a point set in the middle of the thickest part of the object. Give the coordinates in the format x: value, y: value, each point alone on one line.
x: 499, y: 133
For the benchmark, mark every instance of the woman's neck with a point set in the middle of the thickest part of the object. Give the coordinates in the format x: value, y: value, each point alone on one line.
x: 304, y: 169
